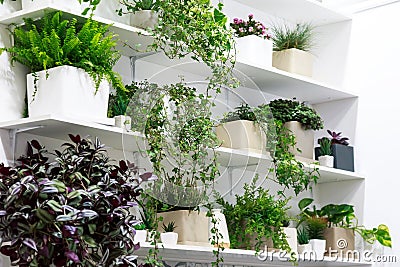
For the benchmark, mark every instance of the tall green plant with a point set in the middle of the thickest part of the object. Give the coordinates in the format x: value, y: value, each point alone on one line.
x: 286, y: 37
x: 55, y: 41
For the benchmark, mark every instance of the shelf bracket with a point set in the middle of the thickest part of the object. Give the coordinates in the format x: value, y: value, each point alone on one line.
x: 133, y: 60
x: 230, y: 177
x: 13, y: 138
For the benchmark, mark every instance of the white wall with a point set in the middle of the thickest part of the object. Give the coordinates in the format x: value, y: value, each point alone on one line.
x: 373, y: 74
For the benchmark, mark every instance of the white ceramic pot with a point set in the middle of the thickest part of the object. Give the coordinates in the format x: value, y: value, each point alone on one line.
x: 69, y: 92
x: 221, y: 226
x: 304, y: 140
x: 140, y: 236
x: 304, y: 249
x: 326, y: 161
x: 108, y: 9
x: 255, y: 51
x: 294, y: 61
x: 318, y: 247
x: 242, y: 134
x: 9, y: 7
x: 12, y: 82
x: 170, y: 238
x: 144, y: 19
x: 68, y: 5
x: 124, y: 122
x: 291, y: 237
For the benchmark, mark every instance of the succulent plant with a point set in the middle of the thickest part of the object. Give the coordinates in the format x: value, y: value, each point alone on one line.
x: 325, y: 146
x: 302, y: 236
x: 337, y: 139
x: 170, y: 227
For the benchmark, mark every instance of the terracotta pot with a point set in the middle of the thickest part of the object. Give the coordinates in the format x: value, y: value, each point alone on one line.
x: 294, y: 61
x: 304, y: 140
x: 191, y: 227
x: 242, y: 134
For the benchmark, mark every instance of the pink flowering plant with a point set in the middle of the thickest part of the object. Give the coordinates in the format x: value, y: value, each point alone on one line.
x: 251, y: 27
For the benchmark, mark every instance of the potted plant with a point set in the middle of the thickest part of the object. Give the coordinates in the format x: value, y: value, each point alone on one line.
x: 256, y: 219
x: 144, y: 12
x: 140, y: 233
x: 9, y: 6
x: 240, y: 129
x: 169, y: 237
x: 291, y: 46
x: 341, y: 151
x: 253, y: 44
x: 70, y: 210
x: 325, y: 157
x: 300, y: 119
x: 58, y: 50
x: 303, y: 240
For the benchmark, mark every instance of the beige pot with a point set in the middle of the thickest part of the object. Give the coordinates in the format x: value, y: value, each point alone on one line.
x: 304, y: 140
x: 294, y: 61
x: 339, y: 239
x: 191, y: 227
x: 242, y: 134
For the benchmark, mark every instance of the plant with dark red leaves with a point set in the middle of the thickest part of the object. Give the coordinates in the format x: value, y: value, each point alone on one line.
x: 337, y: 139
x: 70, y: 211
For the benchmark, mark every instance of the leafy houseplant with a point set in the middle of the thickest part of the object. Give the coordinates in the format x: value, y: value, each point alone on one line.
x: 255, y: 218
x: 293, y: 43
x: 70, y: 211
x: 341, y: 151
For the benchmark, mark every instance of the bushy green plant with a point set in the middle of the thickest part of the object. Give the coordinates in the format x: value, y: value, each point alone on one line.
x: 242, y: 112
x: 119, y: 101
x: 69, y: 211
x: 286, y: 37
x: 302, y: 236
x: 325, y: 146
x: 286, y: 110
x: 258, y: 213
x: 54, y: 41
x: 315, y: 227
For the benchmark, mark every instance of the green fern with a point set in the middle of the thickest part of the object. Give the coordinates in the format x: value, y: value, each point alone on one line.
x: 54, y: 41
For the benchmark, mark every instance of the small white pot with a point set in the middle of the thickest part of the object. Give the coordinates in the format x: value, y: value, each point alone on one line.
x: 69, y: 92
x: 326, y: 161
x: 294, y: 61
x: 144, y: 19
x: 140, y: 236
x: 291, y: 237
x: 108, y: 9
x: 170, y: 238
x: 9, y: 7
x: 124, y: 122
x: 303, y: 249
x: 318, y: 247
x: 255, y: 51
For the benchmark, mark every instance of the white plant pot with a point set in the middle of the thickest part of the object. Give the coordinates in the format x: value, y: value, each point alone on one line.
x: 291, y: 237
x: 144, y: 19
x: 304, y: 249
x: 108, y: 9
x: 304, y: 140
x: 326, y: 161
x: 124, y: 122
x: 221, y: 226
x: 68, y: 5
x: 9, y: 7
x: 12, y: 82
x: 242, y: 134
x: 140, y: 236
x: 318, y: 247
x: 255, y: 51
x: 170, y: 239
x: 294, y: 61
x: 68, y: 92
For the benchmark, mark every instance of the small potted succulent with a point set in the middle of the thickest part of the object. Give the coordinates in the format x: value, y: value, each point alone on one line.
x: 341, y: 151
x: 239, y: 130
x: 301, y: 120
x: 144, y: 12
x: 253, y: 44
x: 325, y: 158
x: 169, y: 237
x: 291, y: 48
x: 140, y: 233
x: 303, y: 241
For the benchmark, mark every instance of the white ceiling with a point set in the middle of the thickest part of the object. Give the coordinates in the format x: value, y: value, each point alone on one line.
x: 354, y: 6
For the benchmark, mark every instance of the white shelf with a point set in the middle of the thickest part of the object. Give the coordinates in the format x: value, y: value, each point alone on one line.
x: 130, y: 37
x: 297, y: 10
x: 58, y: 127
x: 236, y: 257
